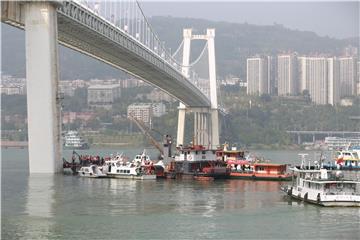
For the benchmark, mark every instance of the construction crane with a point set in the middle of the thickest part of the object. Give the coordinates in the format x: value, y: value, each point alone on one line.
x: 146, y: 131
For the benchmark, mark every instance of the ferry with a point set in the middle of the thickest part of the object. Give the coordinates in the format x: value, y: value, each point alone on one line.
x: 323, y: 187
x: 118, y: 168
x: 345, y: 159
x: 91, y: 171
x: 197, y: 163
x: 245, y: 167
x: 73, y: 140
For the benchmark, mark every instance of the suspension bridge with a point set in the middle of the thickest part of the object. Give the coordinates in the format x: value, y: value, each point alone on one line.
x: 118, y: 34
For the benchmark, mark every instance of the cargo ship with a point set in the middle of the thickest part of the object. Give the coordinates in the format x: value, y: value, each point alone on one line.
x: 243, y: 167
x: 197, y: 163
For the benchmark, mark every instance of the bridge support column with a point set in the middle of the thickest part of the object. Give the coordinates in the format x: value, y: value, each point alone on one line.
x: 214, y: 129
x: 42, y: 83
x: 202, y: 131
x: 181, y: 125
x: 210, y: 33
x: 298, y: 139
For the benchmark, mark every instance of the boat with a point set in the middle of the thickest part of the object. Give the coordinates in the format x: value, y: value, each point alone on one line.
x: 261, y: 171
x: 197, y: 163
x: 118, y: 168
x: 245, y: 167
x: 345, y: 159
x: 323, y: 187
x: 91, y: 171
x: 144, y: 160
x: 73, y: 140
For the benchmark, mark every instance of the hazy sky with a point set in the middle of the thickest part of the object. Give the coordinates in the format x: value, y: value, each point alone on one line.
x: 335, y: 19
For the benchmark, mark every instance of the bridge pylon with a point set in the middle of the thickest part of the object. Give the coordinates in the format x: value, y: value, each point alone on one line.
x: 42, y: 76
x: 206, y: 122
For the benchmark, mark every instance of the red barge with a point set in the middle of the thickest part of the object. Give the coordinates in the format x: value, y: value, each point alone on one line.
x: 243, y: 168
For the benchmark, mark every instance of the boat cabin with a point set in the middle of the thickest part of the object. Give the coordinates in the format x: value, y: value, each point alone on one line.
x: 268, y: 168
x: 195, y: 153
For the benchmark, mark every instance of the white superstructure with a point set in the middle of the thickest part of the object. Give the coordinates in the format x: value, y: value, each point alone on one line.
x: 91, y: 171
x: 118, y: 168
x: 73, y: 140
x: 323, y: 187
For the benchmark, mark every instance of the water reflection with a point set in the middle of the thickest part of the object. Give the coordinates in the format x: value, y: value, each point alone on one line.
x: 35, y: 222
x: 40, y: 196
x: 248, y: 194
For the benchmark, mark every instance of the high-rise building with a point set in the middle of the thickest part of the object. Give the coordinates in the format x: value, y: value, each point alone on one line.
x: 333, y: 81
x: 258, y: 75
x: 287, y: 75
x: 347, y: 75
x: 316, y: 71
x: 302, y: 74
x: 320, y: 76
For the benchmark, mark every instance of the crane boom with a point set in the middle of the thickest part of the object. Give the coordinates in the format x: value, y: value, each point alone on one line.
x: 146, y: 131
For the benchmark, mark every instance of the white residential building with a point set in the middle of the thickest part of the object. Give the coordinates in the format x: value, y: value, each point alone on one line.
x: 141, y: 111
x: 258, y: 75
x: 333, y: 81
x: 287, y: 75
x: 320, y: 76
x: 103, y: 95
x: 347, y: 75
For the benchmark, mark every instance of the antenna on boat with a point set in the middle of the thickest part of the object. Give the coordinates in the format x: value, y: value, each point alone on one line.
x: 303, y: 159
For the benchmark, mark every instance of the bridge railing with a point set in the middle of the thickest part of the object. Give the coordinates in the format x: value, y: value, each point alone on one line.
x: 129, y: 18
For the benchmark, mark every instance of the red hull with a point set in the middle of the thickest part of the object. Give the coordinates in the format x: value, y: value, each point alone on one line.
x: 260, y: 176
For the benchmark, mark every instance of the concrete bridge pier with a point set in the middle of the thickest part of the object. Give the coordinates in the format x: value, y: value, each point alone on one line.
x: 42, y: 76
x: 201, y: 129
x: 181, y: 125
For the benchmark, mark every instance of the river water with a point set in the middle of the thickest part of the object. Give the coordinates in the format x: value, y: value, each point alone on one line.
x: 70, y: 207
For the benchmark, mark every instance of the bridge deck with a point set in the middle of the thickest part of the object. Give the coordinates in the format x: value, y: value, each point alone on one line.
x: 90, y: 34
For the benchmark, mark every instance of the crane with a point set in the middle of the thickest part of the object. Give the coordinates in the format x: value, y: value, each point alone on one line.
x: 146, y: 131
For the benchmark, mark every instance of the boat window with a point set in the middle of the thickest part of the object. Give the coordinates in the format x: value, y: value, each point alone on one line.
x: 118, y: 170
x: 128, y: 171
x: 203, y: 152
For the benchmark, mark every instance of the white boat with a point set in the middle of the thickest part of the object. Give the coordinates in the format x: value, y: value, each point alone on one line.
x: 323, y: 187
x: 346, y: 159
x: 73, y: 140
x: 91, y: 171
x: 118, y: 168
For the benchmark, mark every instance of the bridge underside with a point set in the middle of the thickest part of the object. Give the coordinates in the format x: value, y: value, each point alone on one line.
x: 88, y: 33
x: 80, y: 38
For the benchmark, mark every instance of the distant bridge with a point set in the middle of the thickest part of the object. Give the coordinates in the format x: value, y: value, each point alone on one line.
x: 316, y: 133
